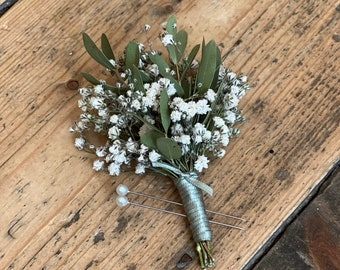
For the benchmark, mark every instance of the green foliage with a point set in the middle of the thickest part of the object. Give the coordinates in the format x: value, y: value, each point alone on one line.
x: 90, y: 78
x: 168, y: 148
x: 106, y: 47
x: 132, y: 55
x: 137, y: 79
x: 96, y: 53
x: 164, y: 110
x: 207, y: 69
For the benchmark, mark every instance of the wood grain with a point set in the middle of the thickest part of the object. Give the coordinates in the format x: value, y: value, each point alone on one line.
x: 312, y: 241
x: 59, y: 214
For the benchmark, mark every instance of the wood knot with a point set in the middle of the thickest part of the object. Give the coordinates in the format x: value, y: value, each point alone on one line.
x: 72, y: 84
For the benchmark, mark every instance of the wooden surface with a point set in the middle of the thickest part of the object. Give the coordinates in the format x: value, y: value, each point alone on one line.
x: 58, y: 214
x: 312, y: 241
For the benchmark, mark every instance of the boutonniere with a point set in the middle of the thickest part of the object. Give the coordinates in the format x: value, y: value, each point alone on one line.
x: 171, y: 114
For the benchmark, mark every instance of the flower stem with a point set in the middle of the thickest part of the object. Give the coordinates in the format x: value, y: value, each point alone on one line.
x: 194, y: 207
x: 204, y: 251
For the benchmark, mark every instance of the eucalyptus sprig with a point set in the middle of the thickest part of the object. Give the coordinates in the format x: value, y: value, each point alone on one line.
x: 171, y: 115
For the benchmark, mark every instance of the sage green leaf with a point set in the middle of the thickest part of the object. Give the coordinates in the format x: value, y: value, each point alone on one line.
x: 131, y: 55
x: 163, y: 67
x: 181, y: 43
x: 189, y: 61
x: 137, y: 79
x: 95, y: 53
x: 90, y: 78
x: 106, y: 47
x: 168, y: 148
x: 172, y: 50
x: 145, y: 76
x: 207, y: 67
x: 171, y: 26
x: 217, y: 70
x: 164, y: 110
x: 149, y: 139
x: 193, y: 54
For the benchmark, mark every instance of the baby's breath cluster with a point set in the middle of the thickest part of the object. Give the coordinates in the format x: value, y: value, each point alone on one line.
x: 176, y: 111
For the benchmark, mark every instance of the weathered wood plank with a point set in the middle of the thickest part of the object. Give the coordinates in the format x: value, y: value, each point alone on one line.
x: 312, y: 241
x: 59, y: 214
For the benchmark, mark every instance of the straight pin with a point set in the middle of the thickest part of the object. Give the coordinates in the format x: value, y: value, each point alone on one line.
x: 123, y: 190
x: 122, y: 201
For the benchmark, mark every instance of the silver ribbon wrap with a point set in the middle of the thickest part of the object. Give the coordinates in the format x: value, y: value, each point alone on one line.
x: 194, y: 207
x: 192, y: 177
x: 189, y: 188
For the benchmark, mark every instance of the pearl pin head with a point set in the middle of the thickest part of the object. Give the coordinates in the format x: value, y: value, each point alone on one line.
x: 122, y: 190
x: 122, y: 201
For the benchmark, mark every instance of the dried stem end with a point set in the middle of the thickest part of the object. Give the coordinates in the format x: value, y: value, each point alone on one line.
x: 204, y: 250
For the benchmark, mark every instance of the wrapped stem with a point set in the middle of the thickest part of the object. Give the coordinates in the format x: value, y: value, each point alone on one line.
x: 194, y: 207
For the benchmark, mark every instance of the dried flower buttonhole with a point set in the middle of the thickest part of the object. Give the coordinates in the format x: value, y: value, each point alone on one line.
x: 172, y: 116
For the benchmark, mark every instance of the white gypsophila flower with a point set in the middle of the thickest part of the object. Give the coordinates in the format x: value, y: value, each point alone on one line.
x: 113, y: 62
x: 131, y: 146
x: 184, y: 139
x: 218, y: 122
x: 154, y: 156
x: 221, y: 153
x: 177, y: 129
x: 101, y: 151
x: 114, y: 119
x: 231, y: 75
x: 230, y: 117
x: 210, y: 95
x: 175, y: 116
x: 114, y: 169
x: 199, y: 128
x: 98, y: 89
x: 206, y: 136
x: 168, y: 39
x: 235, y: 90
x: 216, y: 136
x: 97, y: 103
x: 121, y: 157
x: 224, y: 139
x: 115, y: 147
x: 140, y: 169
x: 79, y: 143
x: 143, y: 149
x: 98, y: 165
x: 177, y: 102
x: 113, y: 132
x: 153, y: 69
x: 141, y: 47
x: 136, y: 104
x: 201, y: 163
x: 85, y: 92
x: 164, y: 82
x: 202, y: 107
x: 221, y: 72
x: 194, y: 64
x: 147, y: 101
x: 198, y: 139
x: 171, y: 90
x: 103, y: 113
x: 225, y: 130
x: 191, y: 109
x: 185, y: 149
x: 243, y: 79
x: 147, y: 27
